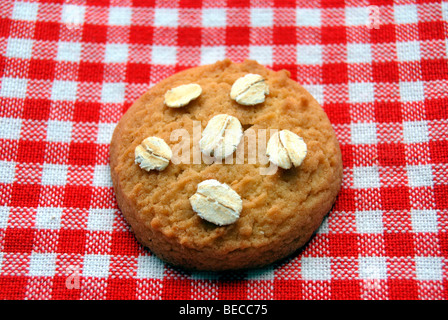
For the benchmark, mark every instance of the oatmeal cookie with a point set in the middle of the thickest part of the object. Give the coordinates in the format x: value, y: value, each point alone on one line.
x: 280, y: 210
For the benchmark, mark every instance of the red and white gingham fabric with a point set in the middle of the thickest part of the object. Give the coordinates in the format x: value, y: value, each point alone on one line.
x: 70, y: 68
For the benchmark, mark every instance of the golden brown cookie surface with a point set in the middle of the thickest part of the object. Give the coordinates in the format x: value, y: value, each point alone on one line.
x: 280, y: 210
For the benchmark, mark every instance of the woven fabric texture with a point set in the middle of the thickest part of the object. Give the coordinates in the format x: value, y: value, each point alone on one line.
x: 69, y: 69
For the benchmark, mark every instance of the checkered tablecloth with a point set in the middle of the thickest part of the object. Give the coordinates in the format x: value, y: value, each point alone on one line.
x: 69, y: 69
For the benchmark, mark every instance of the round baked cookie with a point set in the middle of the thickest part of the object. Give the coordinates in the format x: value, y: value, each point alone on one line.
x: 280, y: 211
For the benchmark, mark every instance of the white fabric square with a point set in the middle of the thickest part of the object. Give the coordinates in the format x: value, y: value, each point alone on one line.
x: 19, y: 48
x: 262, y: 54
x: 101, y: 176
x: 13, y: 87
x: 48, y: 218
x: 25, y: 11
x: 113, y: 92
x: 424, y: 220
x: 96, y: 265
x: 359, y: 52
x: 261, y: 17
x: 370, y: 221
x: 164, y: 55
x: 213, y: 17
x: 372, y: 268
x: 210, y: 55
x: 150, y: 267
x: 420, y: 175
x: 64, y: 90
x: 309, y: 54
x: 445, y: 10
x: 357, y: 16
x: 316, y: 268
x: 116, y: 53
x: 120, y: 16
x: 412, y: 91
x: 54, y: 174
x: 69, y: 51
x: 366, y: 177
x: 415, y: 131
x: 59, y: 131
x: 361, y: 92
x: 429, y: 268
x: 406, y: 13
x: 4, y: 216
x: 42, y: 264
x: 166, y: 17
x: 408, y: 51
x: 101, y: 219
x: 10, y: 128
x: 105, y: 132
x: 73, y: 14
x: 308, y: 17
x: 363, y: 133
x: 7, y: 170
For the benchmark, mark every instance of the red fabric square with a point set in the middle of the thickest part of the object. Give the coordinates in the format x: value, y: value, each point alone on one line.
x: 284, y: 35
x: 338, y: 113
x: 399, y: 244
x: 332, y: 3
x: 41, y: 69
x: 385, y: 33
x: 4, y: 27
x: 86, y: 111
x: 31, y: 151
x: 439, y: 151
x: 59, y: 290
x: 103, y: 3
x: 237, y: 35
x: 334, y: 73
x: 288, y: 289
x: 285, y: 3
x: 2, y: 65
x: 238, y: 3
x: 141, y: 34
x: 386, y: 111
x: 90, y: 72
x: 440, y: 194
x: 121, y: 288
x: 72, y: 241
x: 190, y: 3
x: 18, y: 240
x: 345, y: 200
x: 385, y: 71
x: 124, y: 244
x: 333, y: 35
x: 391, y: 154
x: 47, y: 31
x: 235, y: 289
x: 381, y: 2
x: 189, y: 36
x: 94, y: 33
x: 13, y: 287
x: 77, y: 196
x: 82, y: 153
x: 143, y: 3
x: 436, y: 109
x: 176, y: 289
x: 443, y: 243
x: 138, y: 73
x: 436, y: 69
x: 431, y: 30
x: 402, y: 289
x: 345, y: 290
x: 343, y: 244
x: 395, y: 198
x: 36, y: 109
